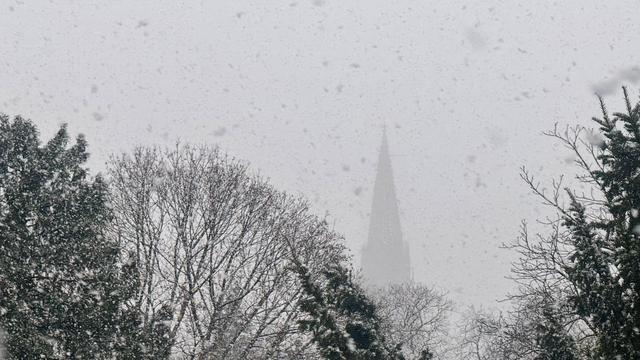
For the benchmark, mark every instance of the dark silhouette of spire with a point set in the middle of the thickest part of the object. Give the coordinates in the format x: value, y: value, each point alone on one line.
x: 385, y: 257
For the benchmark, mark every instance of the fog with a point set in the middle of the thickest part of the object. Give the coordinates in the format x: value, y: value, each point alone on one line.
x: 302, y: 89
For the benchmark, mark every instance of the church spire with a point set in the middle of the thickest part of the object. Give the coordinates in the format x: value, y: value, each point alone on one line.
x: 385, y: 257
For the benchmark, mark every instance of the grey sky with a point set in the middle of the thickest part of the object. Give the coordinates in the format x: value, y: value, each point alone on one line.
x: 301, y: 88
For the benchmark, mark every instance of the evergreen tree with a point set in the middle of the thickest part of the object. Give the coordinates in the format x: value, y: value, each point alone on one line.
x: 426, y: 355
x: 552, y: 339
x: 157, y: 338
x: 342, y: 320
x: 62, y: 289
x: 134, y: 339
x: 590, y: 261
x: 605, y: 265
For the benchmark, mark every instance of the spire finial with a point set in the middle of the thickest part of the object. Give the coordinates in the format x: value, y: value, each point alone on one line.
x: 384, y: 138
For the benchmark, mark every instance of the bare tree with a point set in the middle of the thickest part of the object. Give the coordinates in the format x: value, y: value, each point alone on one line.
x: 507, y: 336
x: 212, y: 242
x: 545, y: 261
x: 414, y: 316
x: 541, y: 271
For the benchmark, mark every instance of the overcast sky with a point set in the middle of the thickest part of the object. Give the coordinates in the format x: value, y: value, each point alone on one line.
x: 301, y: 89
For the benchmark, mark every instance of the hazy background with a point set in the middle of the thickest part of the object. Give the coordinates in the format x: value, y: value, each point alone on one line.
x: 301, y: 89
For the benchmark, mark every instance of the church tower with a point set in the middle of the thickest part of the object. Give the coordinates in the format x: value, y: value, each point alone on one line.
x: 385, y: 256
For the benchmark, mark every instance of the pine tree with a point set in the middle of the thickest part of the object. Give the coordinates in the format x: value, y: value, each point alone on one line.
x: 62, y: 289
x: 134, y: 339
x: 605, y: 266
x: 553, y: 341
x: 342, y: 320
x: 426, y: 355
x: 157, y: 335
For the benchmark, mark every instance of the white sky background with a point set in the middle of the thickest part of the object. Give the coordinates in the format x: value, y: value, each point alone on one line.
x: 300, y: 89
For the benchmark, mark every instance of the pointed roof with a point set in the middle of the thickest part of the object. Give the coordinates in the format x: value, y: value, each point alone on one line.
x: 384, y: 226
x: 385, y: 257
